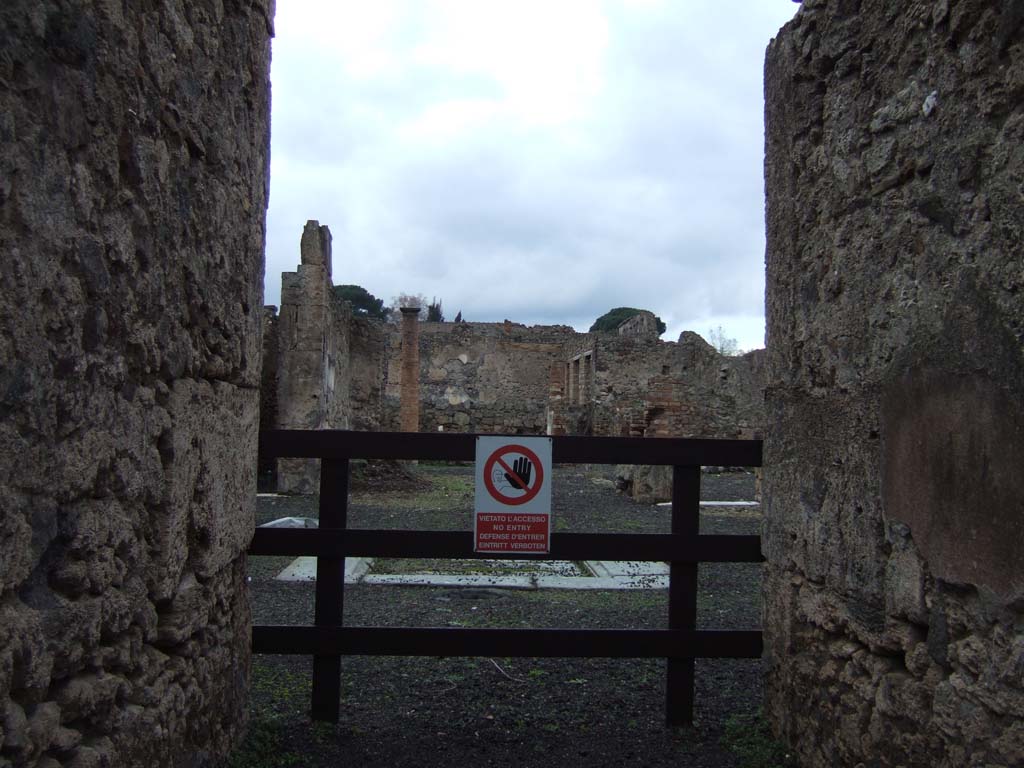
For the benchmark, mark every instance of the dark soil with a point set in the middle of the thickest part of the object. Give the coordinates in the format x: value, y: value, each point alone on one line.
x: 519, y: 712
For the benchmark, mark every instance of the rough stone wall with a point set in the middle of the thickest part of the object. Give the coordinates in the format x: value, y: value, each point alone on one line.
x: 313, y: 355
x: 267, y: 467
x: 480, y: 377
x: 894, y: 595
x: 368, y: 344
x: 644, y: 386
x: 132, y: 197
x: 643, y: 323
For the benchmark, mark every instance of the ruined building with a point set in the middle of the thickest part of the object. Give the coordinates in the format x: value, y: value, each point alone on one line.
x: 133, y: 177
x: 325, y: 368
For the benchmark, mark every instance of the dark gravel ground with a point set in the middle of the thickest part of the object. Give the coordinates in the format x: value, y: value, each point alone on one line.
x: 520, y: 712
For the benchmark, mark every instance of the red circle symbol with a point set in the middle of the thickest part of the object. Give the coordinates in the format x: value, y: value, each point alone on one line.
x: 497, y: 458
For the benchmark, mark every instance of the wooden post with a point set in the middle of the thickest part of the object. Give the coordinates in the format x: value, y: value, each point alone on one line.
x: 330, y: 590
x: 682, y: 596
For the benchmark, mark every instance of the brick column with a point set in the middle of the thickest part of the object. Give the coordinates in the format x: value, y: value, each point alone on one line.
x: 409, y: 410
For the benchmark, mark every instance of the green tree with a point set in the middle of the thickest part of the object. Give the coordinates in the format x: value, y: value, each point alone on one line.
x: 613, y: 318
x: 722, y: 343
x: 364, y: 303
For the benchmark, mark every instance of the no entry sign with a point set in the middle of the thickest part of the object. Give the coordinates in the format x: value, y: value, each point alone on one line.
x: 512, y: 512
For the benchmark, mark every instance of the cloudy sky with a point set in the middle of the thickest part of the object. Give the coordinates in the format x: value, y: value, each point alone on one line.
x: 539, y: 160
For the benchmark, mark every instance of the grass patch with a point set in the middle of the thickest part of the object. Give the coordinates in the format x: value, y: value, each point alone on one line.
x: 265, y: 745
x: 443, y: 492
x: 750, y: 739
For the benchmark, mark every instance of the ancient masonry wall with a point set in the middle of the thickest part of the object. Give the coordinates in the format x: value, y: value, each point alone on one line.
x: 368, y: 345
x: 313, y: 366
x: 335, y: 370
x: 267, y: 468
x: 409, y: 371
x: 132, y: 196
x: 641, y: 386
x: 894, y: 595
x: 479, y: 377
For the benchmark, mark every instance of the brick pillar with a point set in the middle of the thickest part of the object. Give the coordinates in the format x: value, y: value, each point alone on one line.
x: 409, y: 410
x: 556, y: 408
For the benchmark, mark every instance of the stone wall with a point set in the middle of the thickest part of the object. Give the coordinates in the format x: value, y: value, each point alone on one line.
x: 643, y: 323
x: 368, y: 345
x: 335, y: 370
x: 312, y: 343
x: 267, y: 467
x: 480, y: 377
x: 895, y: 495
x: 640, y: 385
x: 132, y: 197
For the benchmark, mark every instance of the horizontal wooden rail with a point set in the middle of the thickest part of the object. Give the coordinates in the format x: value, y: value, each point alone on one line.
x: 664, y: 547
x: 681, y: 643
x: 345, y: 444
x: 443, y: 641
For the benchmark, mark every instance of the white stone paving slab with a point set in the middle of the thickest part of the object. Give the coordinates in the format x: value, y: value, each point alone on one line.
x: 304, y: 569
x: 606, y: 575
x: 718, y: 504
x: 292, y: 522
x: 627, y: 568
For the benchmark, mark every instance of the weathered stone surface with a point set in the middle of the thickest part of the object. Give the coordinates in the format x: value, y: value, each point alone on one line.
x: 312, y: 342
x: 409, y: 384
x: 894, y: 512
x: 643, y: 324
x: 132, y: 195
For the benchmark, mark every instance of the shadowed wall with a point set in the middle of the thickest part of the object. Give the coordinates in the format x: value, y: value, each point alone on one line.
x: 895, y: 496
x: 133, y: 183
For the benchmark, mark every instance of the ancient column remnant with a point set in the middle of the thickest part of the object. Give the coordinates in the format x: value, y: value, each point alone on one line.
x: 132, y: 198
x: 305, y: 343
x: 409, y: 410
x: 894, y: 495
x: 312, y: 350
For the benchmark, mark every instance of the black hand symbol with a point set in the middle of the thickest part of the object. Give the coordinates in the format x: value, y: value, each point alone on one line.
x: 522, y: 467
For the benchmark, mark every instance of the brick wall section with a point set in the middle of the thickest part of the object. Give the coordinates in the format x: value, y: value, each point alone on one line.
x: 643, y: 386
x: 893, y: 484
x: 132, y: 196
x: 409, y: 397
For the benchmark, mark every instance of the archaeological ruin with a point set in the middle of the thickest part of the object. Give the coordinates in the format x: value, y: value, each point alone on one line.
x: 328, y: 368
x: 137, y: 364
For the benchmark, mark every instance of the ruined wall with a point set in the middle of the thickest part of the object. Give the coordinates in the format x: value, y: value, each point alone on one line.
x: 895, y: 496
x: 639, y: 385
x: 132, y: 196
x: 267, y: 467
x: 313, y: 355
x: 368, y: 344
x: 643, y: 324
x: 480, y: 377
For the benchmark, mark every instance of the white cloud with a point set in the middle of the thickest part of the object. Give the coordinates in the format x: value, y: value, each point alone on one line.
x: 541, y: 161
